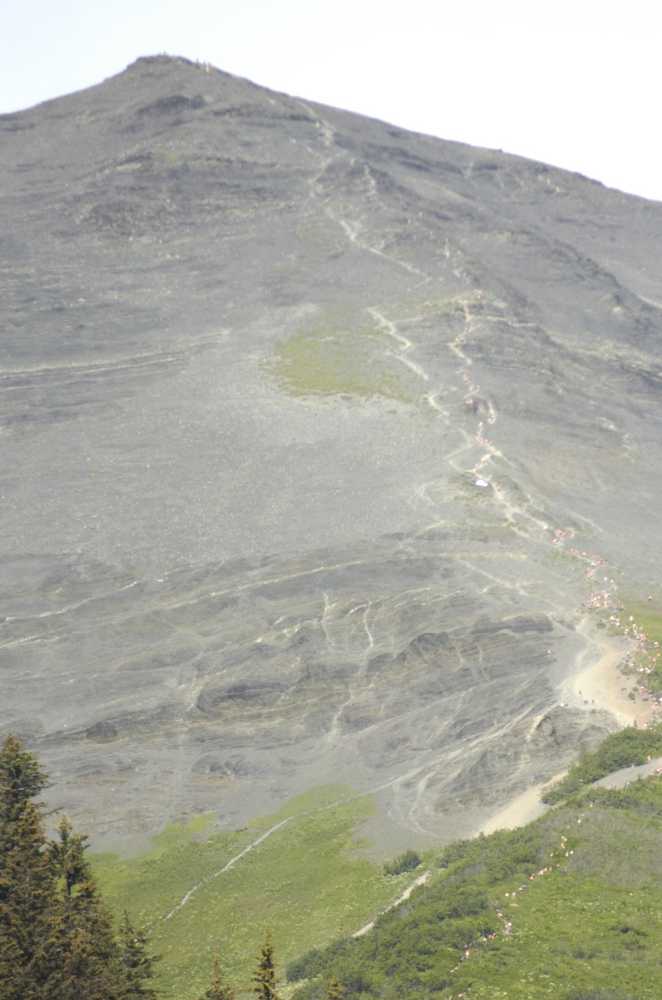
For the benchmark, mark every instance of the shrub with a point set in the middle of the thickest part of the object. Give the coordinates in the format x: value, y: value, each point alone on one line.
x: 625, y: 749
x: 403, y: 863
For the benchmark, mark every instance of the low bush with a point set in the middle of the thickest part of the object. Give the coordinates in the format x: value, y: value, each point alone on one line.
x: 403, y: 863
x: 625, y: 749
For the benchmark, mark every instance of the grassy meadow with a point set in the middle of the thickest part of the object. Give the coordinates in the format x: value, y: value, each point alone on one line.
x: 307, y: 882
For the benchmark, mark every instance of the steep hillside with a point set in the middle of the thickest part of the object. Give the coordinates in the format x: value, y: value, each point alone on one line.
x: 327, y: 449
x: 567, y: 907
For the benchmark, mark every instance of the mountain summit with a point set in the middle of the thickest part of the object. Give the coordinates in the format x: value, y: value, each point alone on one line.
x: 327, y: 449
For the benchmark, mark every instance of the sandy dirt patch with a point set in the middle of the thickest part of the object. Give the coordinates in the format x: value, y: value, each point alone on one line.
x: 523, y: 809
x: 599, y: 682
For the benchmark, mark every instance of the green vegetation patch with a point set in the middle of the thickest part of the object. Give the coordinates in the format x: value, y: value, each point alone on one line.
x: 623, y: 749
x: 647, y: 619
x: 568, y: 907
x: 413, y: 950
x: 573, y: 938
x: 406, y: 862
x: 342, y: 361
x: 306, y: 882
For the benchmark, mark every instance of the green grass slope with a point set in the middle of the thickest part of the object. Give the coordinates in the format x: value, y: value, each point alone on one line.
x: 306, y: 881
x: 569, y: 907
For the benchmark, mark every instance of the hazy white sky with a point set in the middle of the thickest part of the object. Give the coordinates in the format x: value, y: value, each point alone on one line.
x: 576, y: 84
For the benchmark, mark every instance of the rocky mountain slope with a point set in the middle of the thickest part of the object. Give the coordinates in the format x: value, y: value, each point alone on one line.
x: 325, y: 448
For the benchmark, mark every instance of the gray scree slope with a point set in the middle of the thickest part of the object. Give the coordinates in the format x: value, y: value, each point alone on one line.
x: 318, y: 437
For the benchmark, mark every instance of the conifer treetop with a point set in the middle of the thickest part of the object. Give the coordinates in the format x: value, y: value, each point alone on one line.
x: 265, y: 974
x: 218, y: 990
x: 136, y: 961
x: 335, y: 990
x: 21, y: 777
x: 68, y: 853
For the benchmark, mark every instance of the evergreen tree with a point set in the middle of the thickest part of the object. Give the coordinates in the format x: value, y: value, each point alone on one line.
x: 12, y: 975
x: 265, y: 974
x: 26, y: 888
x: 56, y: 938
x: 137, y: 963
x: 335, y: 990
x: 217, y: 989
x: 21, y: 779
x: 26, y: 875
x: 68, y: 856
x: 80, y: 956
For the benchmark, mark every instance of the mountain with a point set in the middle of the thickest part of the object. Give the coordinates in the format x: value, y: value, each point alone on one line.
x: 331, y: 452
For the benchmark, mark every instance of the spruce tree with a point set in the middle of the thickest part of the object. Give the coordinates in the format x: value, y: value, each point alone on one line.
x: 56, y: 937
x: 68, y: 856
x: 21, y: 779
x: 26, y: 875
x: 13, y: 981
x: 217, y: 989
x: 265, y: 974
x: 26, y: 895
x: 80, y: 956
x: 137, y: 963
x: 335, y: 990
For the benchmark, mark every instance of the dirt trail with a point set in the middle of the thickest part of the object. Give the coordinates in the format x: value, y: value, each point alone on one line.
x: 421, y: 880
x: 619, y: 779
x: 523, y: 809
x: 226, y: 867
x: 598, y: 685
x: 278, y: 826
